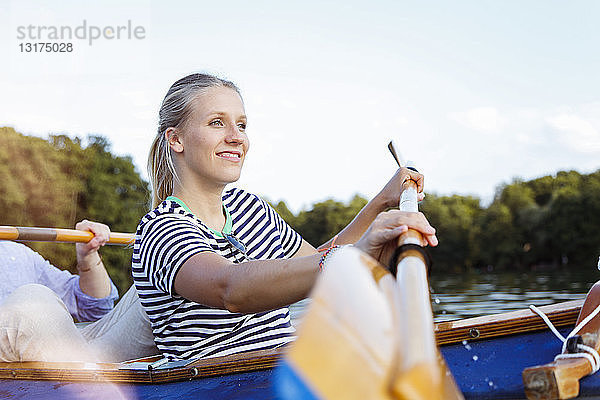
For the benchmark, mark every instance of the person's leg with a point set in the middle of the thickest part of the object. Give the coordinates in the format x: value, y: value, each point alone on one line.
x: 124, y: 333
x: 35, y: 325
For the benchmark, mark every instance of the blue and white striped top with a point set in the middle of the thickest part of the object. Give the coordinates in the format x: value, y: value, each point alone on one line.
x: 168, y: 236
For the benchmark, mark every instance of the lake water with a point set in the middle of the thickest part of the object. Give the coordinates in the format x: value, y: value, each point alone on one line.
x: 472, y: 294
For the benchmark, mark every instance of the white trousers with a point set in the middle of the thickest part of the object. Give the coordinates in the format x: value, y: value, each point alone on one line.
x: 36, y: 326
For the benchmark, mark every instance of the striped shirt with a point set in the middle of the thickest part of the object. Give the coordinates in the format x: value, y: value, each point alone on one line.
x: 168, y: 236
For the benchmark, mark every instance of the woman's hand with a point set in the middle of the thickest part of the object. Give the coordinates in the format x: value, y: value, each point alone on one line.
x: 379, y: 241
x: 93, y: 278
x: 101, y: 235
x: 390, y: 194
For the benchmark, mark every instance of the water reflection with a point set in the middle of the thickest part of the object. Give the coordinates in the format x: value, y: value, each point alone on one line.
x: 473, y: 294
x: 483, y: 293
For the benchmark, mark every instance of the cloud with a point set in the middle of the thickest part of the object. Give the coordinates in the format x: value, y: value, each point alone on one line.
x: 575, y: 128
x: 576, y: 132
x: 506, y: 142
x: 481, y: 119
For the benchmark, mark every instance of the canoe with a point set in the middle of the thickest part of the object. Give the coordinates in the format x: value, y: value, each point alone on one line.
x: 485, y: 355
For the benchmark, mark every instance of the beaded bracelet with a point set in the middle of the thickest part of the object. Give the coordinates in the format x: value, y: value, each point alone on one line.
x: 326, y: 253
x: 332, y: 245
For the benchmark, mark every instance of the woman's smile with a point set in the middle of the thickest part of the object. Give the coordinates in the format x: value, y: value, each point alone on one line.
x: 230, y: 155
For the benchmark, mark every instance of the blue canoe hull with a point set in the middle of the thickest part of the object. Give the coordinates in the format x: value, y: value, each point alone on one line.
x: 485, y: 369
x: 249, y: 385
x: 492, y: 369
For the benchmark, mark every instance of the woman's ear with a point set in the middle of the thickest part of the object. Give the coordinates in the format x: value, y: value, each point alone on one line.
x: 174, y: 140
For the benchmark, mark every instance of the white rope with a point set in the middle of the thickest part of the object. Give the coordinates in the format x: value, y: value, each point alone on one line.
x: 583, y: 323
x: 586, y: 352
x: 548, y: 322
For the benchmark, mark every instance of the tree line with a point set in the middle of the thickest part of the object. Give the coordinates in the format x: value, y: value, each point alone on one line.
x: 62, y: 180
x: 545, y: 222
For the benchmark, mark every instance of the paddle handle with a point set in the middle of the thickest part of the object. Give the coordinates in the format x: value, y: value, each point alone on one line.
x: 409, y: 203
x: 408, y: 199
x: 30, y: 234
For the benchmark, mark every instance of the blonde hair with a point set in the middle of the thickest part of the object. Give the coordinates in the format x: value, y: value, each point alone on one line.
x: 175, y: 111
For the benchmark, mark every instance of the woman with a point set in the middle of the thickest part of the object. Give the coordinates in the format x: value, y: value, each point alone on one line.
x: 215, y: 269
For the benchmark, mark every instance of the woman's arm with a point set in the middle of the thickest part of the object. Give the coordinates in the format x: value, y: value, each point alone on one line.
x: 93, y: 278
x: 261, y: 285
x: 210, y: 279
x: 388, y: 197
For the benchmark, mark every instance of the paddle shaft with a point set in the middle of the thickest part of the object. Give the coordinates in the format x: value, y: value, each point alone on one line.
x: 420, y: 374
x: 392, y: 150
x: 412, y: 278
x: 30, y: 234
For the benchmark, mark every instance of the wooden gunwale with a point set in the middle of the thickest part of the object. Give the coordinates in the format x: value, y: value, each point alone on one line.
x: 561, y: 314
x: 521, y: 321
x: 99, y: 372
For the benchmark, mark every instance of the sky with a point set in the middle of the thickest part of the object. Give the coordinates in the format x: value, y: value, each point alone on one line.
x: 475, y: 93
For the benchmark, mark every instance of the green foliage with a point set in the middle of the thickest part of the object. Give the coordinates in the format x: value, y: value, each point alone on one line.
x: 454, y: 218
x: 326, y: 219
x: 573, y: 218
x: 57, y: 182
x: 548, y: 221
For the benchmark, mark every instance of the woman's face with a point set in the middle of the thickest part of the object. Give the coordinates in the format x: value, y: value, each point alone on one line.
x: 213, y: 144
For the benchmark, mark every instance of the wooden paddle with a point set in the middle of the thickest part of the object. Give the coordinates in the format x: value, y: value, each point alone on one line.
x: 560, y: 379
x: 29, y: 234
x: 421, y: 372
x: 351, y: 342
